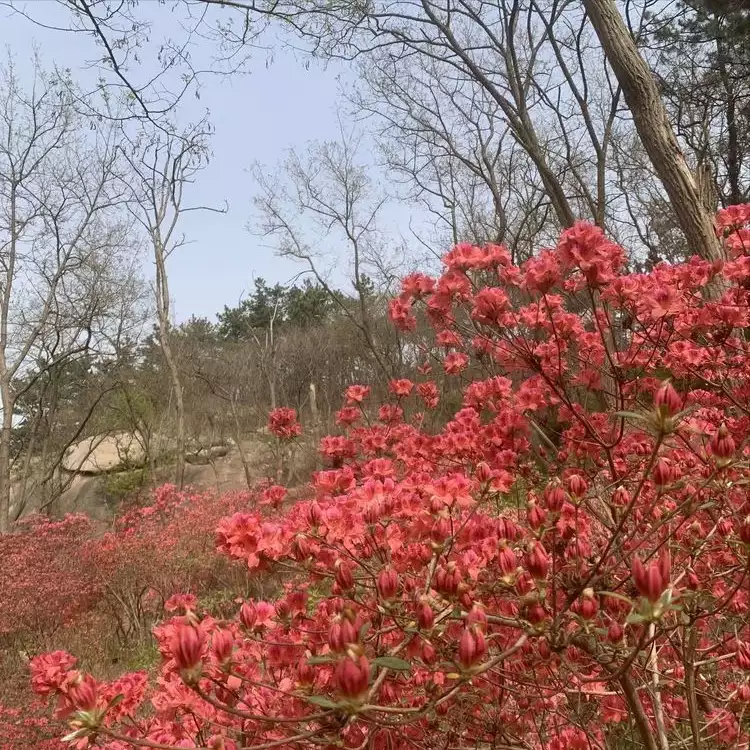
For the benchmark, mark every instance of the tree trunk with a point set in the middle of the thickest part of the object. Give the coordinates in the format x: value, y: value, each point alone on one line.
x: 314, y: 406
x: 6, y: 429
x: 650, y: 117
x: 165, y: 329
x: 179, y: 406
x: 238, y: 439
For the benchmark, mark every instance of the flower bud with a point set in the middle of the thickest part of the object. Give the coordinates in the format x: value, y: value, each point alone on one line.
x: 524, y: 583
x: 248, y: 615
x: 471, y: 648
x: 187, y: 648
x: 373, y: 513
x: 506, y: 560
x: 722, y: 445
x: 352, y: 677
x: 586, y: 606
x: 537, y: 561
x: 82, y: 692
x: 535, y: 613
x: 341, y: 634
x: 743, y: 655
x: 447, y: 580
x: 483, y: 471
x: 554, y: 498
x: 621, y: 496
x: 507, y: 529
x: 425, y: 615
x: 301, y: 548
x: 535, y: 516
x: 662, y: 473
x: 387, y: 584
x: 305, y: 672
x: 743, y: 692
x: 615, y: 632
x: 577, y: 485
x: 651, y: 581
x: 314, y: 514
x: 222, y: 643
x: 344, y: 576
x: 666, y: 400
x: 477, y: 618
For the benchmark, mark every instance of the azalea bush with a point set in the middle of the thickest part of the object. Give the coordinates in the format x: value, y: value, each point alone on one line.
x: 562, y: 564
x: 66, y: 583
x: 57, y: 572
x: 22, y: 728
x: 155, y: 550
x: 43, y: 586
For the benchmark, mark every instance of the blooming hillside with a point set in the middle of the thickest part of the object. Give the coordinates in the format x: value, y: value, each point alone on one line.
x: 562, y: 564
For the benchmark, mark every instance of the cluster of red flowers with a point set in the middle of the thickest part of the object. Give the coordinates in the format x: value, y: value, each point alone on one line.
x: 283, y: 423
x: 562, y: 565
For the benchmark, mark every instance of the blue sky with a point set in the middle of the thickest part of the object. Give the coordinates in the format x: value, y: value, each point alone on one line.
x: 281, y: 104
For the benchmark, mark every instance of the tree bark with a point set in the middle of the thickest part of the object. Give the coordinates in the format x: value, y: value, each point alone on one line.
x: 650, y: 118
x: 165, y: 329
x: 6, y: 430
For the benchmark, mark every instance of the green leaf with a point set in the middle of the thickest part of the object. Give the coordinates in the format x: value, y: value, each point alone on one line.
x: 629, y: 414
x: 392, y: 662
x: 635, y: 619
x: 117, y: 699
x: 322, y: 701
x: 320, y: 660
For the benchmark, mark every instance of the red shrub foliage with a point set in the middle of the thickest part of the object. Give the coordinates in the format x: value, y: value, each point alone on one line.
x: 28, y: 727
x: 42, y: 584
x: 55, y: 571
x: 157, y: 550
x: 563, y: 565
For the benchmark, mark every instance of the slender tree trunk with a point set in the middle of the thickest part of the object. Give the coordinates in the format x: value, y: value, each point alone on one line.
x: 6, y: 429
x: 179, y: 407
x: 238, y: 440
x: 650, y: 117
x: 47, y: 488
x: 272, y: 387
x: 733, y: 149
x: 165, y: 330
x: 28, y: 465
x: 314, y: 406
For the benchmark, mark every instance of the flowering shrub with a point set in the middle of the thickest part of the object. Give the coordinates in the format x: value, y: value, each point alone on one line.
x: 43, y: 586
x: 20, y: 728
x: 157, y: 550
x: 562, y: 565
x: 283, y: 423
x: 56, y: 571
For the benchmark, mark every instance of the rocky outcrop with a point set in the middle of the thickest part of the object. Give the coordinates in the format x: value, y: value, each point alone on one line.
x: 206, y: 455
x: 104, y: 453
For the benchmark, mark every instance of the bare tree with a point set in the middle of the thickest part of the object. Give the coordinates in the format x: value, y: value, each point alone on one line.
x: 453, y: 154
x: 330, y: 189
x: 451, y: 79
x: 61, y: 233
x: 163, y: 164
